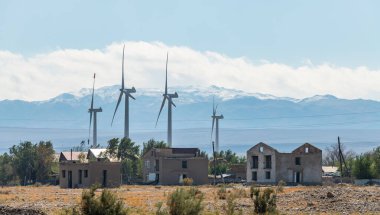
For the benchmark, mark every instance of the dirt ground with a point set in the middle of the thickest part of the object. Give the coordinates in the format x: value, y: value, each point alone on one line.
x: 342, y: 199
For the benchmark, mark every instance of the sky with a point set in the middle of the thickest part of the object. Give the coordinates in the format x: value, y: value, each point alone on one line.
x: 292, y: 48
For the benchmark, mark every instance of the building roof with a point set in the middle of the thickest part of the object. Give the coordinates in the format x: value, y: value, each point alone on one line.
x: 100, y: 153
x: 66, y: 156
x: 96, y: 152
x: 262, y: 144
x: 185, y: 150
x: 310, y: 147
x: 329, y: 169
x: 173, y: 152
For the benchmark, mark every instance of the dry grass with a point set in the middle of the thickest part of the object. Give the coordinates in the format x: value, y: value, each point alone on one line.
x: 141, y: 199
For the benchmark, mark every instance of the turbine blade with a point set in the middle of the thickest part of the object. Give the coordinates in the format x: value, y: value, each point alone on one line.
x: 213, y: 106
x: 162, y: 106
x: 173, y: 103
x: 122, y: 70
x: 93, y: 89
x: 117, y: 105
x: 166, y: 78
x: 131, y: 96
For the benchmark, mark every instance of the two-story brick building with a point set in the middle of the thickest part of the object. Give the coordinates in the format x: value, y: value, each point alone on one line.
x: 169, y: 166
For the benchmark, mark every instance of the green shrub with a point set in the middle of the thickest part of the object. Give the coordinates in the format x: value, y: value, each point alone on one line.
x: 159, y: 210
x: 280, y: 186
x: 239, y: 192
x: 252, y: 190
x: 222, y: 192
x: 105, y: 204
x: 187, y: 181
x: 37, y: 184
x: 185, y: 202
x: 264, y: 200
x: 229, y: 209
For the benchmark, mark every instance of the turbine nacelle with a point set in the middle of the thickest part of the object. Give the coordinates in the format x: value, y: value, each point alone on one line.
x: 95, y: 110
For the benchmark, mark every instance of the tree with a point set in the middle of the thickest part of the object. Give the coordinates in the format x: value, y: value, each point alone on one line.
x: 153, y: 144
x: 127, y: 152
x: 44, y: 160
x: 362, y: 167
x: 24, y: 157
x: 331, y: 158
x: 32, y: 162
x: 376, y: 162
x: 6, y: 169
x: 112, y: 148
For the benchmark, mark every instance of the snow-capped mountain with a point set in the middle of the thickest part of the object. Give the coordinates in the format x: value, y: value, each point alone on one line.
x: 240, y: 109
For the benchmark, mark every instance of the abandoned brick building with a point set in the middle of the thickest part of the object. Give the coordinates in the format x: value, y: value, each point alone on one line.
x: 268, y: 166
x: 169, y: 166
x: 93, y: 167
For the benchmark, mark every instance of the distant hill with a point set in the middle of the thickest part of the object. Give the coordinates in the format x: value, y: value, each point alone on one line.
x: 194, y: 106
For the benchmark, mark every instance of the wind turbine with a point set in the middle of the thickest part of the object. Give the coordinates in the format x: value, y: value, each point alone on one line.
x: 215, y: 120
x: 93, y: 111
x: 169, y: 97
x: 128, y: 95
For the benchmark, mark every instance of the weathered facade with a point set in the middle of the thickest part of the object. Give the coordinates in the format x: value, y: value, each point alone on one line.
x: 266, y: 165
x: 78, y: 174
x: 169, y: 166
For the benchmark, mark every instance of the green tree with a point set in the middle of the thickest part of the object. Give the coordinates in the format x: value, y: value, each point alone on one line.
x: 363, y: 167
x: 128, y: 152
x: 32, y: 162
x: 6, y: 169
x: 376, y: 162
x: 112, y: 148
x: 24, y: 157
x: 44, y: 160
x: 153, y: 144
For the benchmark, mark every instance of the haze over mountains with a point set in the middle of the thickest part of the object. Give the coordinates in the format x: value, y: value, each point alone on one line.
x: 242, y: 110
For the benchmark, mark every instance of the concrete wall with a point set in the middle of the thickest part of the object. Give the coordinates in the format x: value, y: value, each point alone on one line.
x: 311, y: 163
x: 170, y: 167
x: 261, y: 170
x: 95, y: 173
x: 284, y: 166
x: 171, y: 170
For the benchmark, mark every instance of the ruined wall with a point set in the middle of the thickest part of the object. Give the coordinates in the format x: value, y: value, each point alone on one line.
x: 261, y: 170
x: 171, y: 169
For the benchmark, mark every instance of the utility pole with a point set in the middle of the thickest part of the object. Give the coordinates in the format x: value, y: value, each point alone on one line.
x: 342, y: 160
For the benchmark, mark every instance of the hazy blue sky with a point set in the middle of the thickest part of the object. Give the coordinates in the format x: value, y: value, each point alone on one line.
x: 294, y: 48
x: 340, y: 32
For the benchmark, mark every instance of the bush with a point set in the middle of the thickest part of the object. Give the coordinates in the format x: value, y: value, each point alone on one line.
x: 159, y: 210
x: 264, y: 201
x: 222, y: 192
x: 105, y: 204
x: 252, y: 189
x: 280, y: 186
x: 187, y: 181
x: 185, y: 202
x: 230, y: 207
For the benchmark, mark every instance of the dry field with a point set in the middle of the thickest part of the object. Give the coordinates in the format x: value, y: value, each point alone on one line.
x: 345, y: 199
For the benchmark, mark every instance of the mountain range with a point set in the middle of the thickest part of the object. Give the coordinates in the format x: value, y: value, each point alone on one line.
x: 242, y: 110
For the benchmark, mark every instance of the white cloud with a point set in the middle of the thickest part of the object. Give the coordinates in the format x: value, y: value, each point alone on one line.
x: 46, y: 75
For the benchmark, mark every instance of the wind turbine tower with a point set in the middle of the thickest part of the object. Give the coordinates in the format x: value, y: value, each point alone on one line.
x: 93, y: 111
x: 128, y: 95
x: 169, y: 97
x: 215, y: 121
